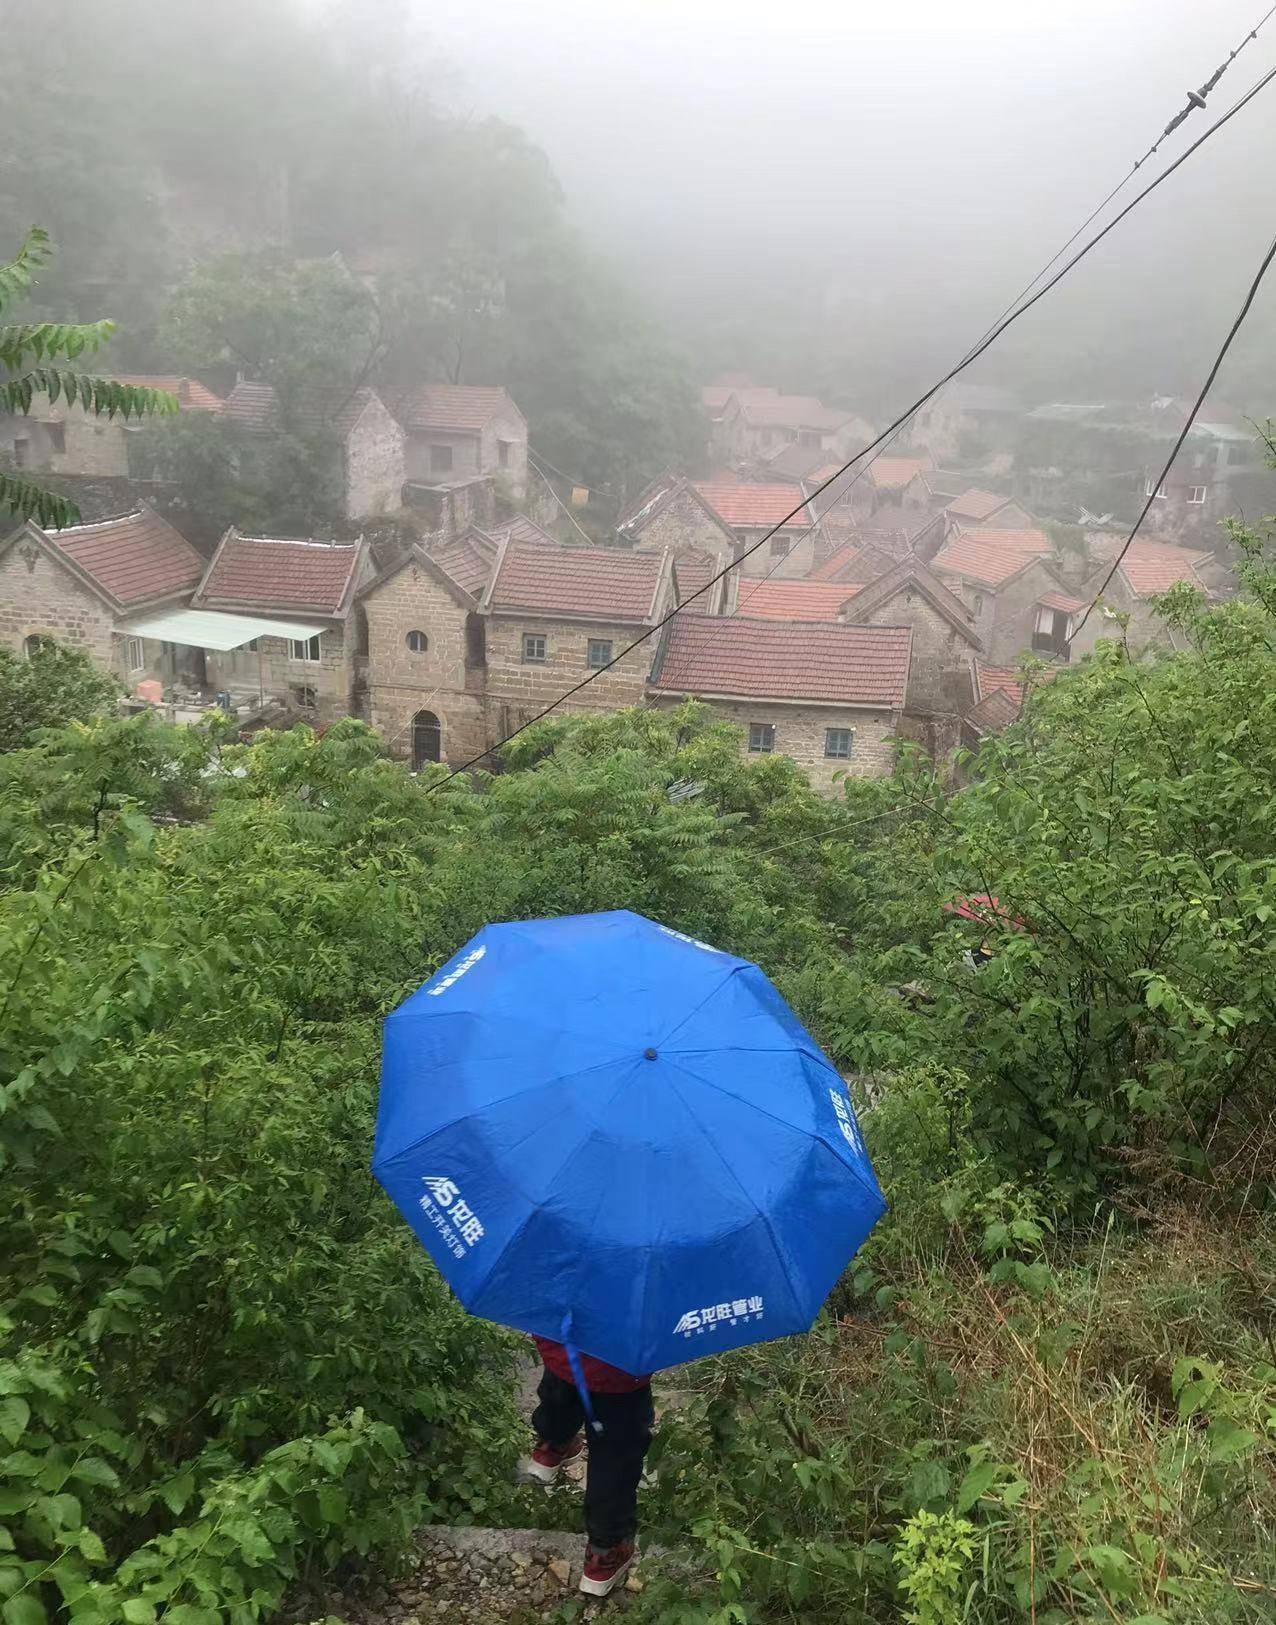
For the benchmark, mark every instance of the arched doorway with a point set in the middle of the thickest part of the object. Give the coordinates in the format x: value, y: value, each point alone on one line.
x: 426, y: 739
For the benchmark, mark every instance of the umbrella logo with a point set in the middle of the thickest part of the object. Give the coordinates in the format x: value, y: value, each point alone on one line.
x: 846, y: 1122
x: 453, y: 1218
x: 717, y: 1314
x: 468, y: 963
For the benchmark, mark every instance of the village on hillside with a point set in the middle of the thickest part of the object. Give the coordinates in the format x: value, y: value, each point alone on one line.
x: 826, y: 611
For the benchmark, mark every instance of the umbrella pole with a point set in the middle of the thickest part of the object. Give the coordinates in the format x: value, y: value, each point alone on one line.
x: 573, y: 1360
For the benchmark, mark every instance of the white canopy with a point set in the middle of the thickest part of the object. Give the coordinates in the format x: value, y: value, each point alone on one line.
x: 213, y: 629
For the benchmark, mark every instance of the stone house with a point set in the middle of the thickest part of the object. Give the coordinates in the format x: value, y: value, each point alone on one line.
x: 750, y: 512
x: 556, y: 613
x: 858, y: 561
x: 895, y: 483
x: 1148, y: 569
x: 827, y: 695
x: 85, y: 585
x: 424, y: 678
x: 354, y: 423
x: 751, y: 423
x: 964, y: 421
x: 671, y: 515
x: 61, y: 439
x: 943, y: 628
x: 284, y: 578
x: 458, y: 433
x: 1019, y: 601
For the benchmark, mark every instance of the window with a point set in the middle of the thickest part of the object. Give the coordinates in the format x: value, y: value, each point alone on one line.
x: 440, y: 459
x: 134, y: 654
x: 838, y: 742
x: 34, y: 643
x: 503, y: 453
x: 57, y: 436
x: 1196, y: 493
x: 533, y: 648
x: 599, y: 652
x: 306, y: 648
x: 1052, y: 631
x: 809, y: 437
x: 303, y: 696
x: 762, y: 736
x: 1236, y: 454
x: 427, y: 739
x: 780, y: 546
x: 21, y: 452
x: 1159, y: 492
x: 417, y: 642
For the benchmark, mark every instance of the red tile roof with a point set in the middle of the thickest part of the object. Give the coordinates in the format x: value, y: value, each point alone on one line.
x: 990, y: 556
x: 468, y: 559
x: 976, y: 504
x: 461, y: 408
x: 767, y: 408
x: 192, y: 396
x: 1152, y: 567
x: 793, y: 600
x: 754, y: 507
x: 136, y: 558
x: 893, y: 473
x: 255, y: 571
x: 1009, y: 680
x: 994, y: 712
x: 778, y: 660
x: 695, y: 570
x: 1062, y: 600
x: 856, y: 560
x: 253, y: 405
x: 594, y: 583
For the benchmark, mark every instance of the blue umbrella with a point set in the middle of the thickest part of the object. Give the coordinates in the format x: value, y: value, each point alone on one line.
x: 609, y: 1134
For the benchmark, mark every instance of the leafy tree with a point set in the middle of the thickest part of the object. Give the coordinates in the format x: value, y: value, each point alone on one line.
x: 29, y: 353
x: 48, y: 688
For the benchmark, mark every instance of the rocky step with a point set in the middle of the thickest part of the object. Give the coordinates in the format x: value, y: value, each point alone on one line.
x: 485, y: 1576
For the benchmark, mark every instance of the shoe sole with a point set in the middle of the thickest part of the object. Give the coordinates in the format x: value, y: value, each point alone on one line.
x: 531, y: 1472
x: 604, y: 1588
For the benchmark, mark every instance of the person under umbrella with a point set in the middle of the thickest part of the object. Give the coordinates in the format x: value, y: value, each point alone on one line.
x: 621, y: 1141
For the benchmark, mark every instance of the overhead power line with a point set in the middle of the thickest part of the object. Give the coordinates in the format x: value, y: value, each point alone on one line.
x: 1195, y: 101
x: 985, y: 343
x: 1156, y: 485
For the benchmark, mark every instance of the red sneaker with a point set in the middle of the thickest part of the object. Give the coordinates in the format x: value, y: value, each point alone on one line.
x: 604, y: 1570
x: 547, y: 1461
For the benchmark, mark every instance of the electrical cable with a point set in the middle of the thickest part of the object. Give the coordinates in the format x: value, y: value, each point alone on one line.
x: 1155, y: 486
x: 889, y: 431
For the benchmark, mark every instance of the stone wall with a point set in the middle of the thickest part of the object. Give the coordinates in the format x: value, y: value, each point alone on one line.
x: 91, y: 445
x: 240, y: 672
x: 374, y: 464
x: 767, y: 560
x: 528, y: 687
x: 418, y: 462
x: 39, y: 596
x: 800, y: 735
x: 508, y: 426
x: 445, y: 678
x: 684, y: 527
x: 938, y: 647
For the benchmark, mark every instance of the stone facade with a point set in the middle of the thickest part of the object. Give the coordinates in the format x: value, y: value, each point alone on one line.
x: 800, y: 734
x: 62, y: 440
x: 1145, y: 625
x: 786, y: 557
x: 373, y: 463
x: 40, y: 597
x: 683, y: 526
x: 518, y: 689
x: 939, y: 649
x: 1006, y: 616
x: 441, y: 455
x: 321, y: 688
x: 445, y: 679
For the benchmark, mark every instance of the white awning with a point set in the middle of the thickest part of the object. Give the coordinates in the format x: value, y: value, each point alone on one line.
x: 213, y: 629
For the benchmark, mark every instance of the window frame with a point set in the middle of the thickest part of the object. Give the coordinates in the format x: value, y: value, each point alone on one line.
x: 781, y: 546
x: 846, y: 755
x: 1159, y: 495
x: 598, y: 643
x: 764, y: 730
x: 1194, y: 500
x: 530, y: 638
x: 305, y: 645
x: 132, y: 643
x: 412, y: 648
x: 437, y: 452
x: 57, y: 437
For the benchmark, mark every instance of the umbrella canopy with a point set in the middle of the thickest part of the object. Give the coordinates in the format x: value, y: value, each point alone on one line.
x: 605, y: 1132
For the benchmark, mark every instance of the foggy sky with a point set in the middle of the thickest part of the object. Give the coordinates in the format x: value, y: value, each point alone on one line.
x: 919, y: 159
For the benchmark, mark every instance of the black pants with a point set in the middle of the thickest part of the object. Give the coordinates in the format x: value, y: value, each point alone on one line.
x: 615, y: 1455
